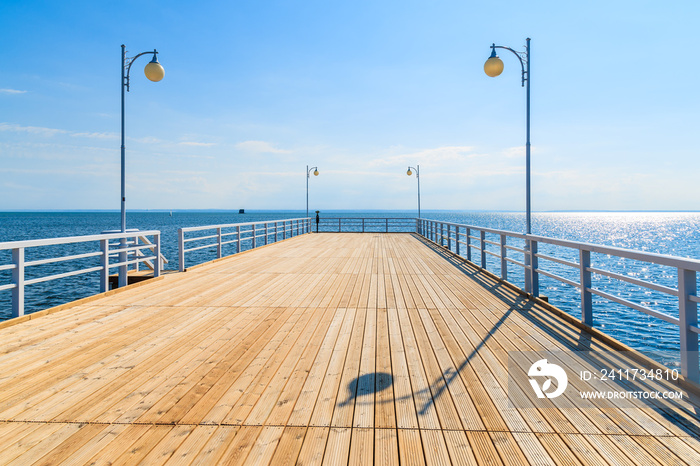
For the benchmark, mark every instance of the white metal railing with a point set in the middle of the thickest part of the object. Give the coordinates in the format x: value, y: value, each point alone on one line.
x: 576, y: 256
x: 252, y: 233
x: 367, y: 224
x: 133, y: 250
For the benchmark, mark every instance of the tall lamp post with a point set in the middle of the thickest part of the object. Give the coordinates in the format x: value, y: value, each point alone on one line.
x: 154, y: 72
x: 409, y: 173
x: 493, y: 67
x: 308, y: 175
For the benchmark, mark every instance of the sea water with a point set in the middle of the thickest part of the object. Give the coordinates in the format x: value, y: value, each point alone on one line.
x: 671, y: 233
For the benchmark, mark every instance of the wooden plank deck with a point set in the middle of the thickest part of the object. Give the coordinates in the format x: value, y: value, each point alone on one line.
x: 321, y: 349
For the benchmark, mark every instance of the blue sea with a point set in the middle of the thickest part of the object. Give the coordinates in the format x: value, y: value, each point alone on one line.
x: 673, y: 233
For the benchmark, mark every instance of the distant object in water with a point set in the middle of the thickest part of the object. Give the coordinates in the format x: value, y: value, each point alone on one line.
x: 171, y: 213
x: 241, y: 211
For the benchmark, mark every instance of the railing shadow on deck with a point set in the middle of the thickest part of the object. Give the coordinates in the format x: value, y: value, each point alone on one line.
x: 525, y: 307
x: 550, y: 324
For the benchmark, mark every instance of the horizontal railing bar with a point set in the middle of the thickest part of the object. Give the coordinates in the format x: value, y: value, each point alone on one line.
x: 693, y: 328
x: 62, y: 259
x: 513, y: 261
x: 116, y: 252
x: 196, y: 238
x: 212, y: 227
x: 574, y: 265
x: 225, y: 242
x: 694, y: 299
x: 491, y: 253
x: 635, y: 281
x: 659, y: 259
x: 513, y: 248
x: 646, y: 310
x: 202, y: 247
x: 131, y: 262
x: 62, y: 275
x: 32, y: 243
x: 557, y: 277
x: 7, y: 287
x: 7, y: 267
x: 494, y: 243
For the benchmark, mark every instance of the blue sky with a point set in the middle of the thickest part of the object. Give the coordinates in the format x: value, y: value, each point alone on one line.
x: 256, y: 90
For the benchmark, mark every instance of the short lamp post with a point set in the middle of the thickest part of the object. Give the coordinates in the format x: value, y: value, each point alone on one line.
x: 409, y: 173
x: 154, y: 72
x: 308, y: 175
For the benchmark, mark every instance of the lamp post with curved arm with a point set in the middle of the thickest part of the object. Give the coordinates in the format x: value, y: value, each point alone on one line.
x: 154, y: 72
x: 308, y: 175
x: 409, y: 173
x: 493, y: 67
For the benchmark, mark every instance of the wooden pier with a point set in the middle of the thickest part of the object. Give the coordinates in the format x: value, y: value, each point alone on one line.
x: 321, y: 349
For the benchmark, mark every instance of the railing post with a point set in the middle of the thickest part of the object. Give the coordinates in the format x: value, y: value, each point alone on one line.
x: 265, y: 232
x: 104, y: 262
x: 527, y: 271
x: 482, y: 235
x: 363, y: 225
x: 284, y: 229
x: 449, y: 237
x: 504, y: 262
x: 534, y: 263
x: 688, y: 315
x: 219, y: 252
x: 586, y: 296
x: 442, y: 234
x: 156, y: 262
x: 181, y: 249
x: 469, y: 244
x: 123, y: 270
x: 18, y: 281
x: 457, y: 238
x: 387, y: 225
x: 238, y: 243
x: 253, y: 236
x: 136, y: 254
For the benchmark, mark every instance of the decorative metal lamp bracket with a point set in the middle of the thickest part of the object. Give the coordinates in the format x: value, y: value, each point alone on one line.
x: 127, y: 66
x: 522, y: 56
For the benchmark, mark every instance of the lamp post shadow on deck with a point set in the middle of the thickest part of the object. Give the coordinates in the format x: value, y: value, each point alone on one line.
x: 308, y: 175
x: 494, y: 67
x: 154, y: 72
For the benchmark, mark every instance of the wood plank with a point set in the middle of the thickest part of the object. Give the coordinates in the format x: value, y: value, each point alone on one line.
x: 290, y: 444
x: 322, y: 349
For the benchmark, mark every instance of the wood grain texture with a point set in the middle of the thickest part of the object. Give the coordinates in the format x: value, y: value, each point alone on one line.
x: 321, y: 349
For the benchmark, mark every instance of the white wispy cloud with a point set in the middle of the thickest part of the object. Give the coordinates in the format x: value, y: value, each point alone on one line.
x: 31, y: 129
x: 12, y: 91
x: 149, y: 140
x: 260, y: 147
x: 197, y: 144
x: 96, y: 135
x: 433, y: 155
x: 49, y: 132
